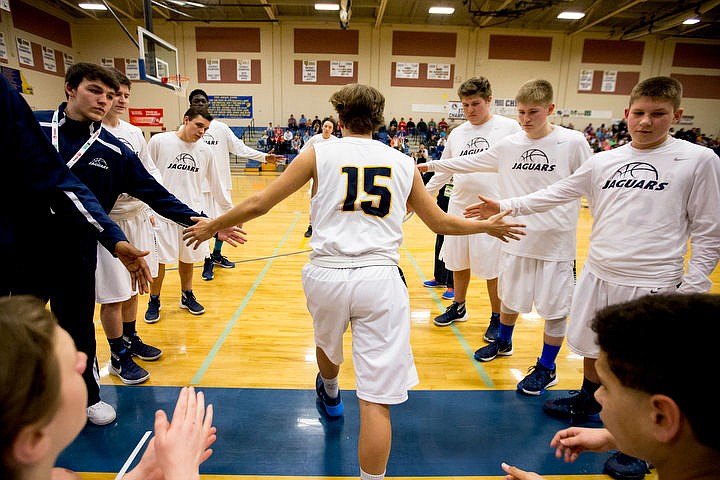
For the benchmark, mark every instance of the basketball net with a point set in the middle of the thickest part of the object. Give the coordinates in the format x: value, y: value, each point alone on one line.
x: 178, y: 82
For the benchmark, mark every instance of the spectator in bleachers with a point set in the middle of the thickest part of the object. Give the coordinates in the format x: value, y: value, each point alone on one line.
x: 292, y: 124
x: 412, y: 131
x: 422, y: 129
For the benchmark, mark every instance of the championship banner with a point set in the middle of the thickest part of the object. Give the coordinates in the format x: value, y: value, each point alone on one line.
x: 146, y: 117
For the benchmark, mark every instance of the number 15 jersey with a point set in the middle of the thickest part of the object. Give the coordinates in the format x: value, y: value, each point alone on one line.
x: 360, y: 203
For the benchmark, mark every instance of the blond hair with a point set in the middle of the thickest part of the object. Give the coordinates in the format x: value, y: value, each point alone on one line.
x: 535, y: 92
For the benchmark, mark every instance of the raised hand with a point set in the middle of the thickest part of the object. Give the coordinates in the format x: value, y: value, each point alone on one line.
x: 571, y: 442
x: 133, y: 260
x: 486, y: 208
x: 498, y: 228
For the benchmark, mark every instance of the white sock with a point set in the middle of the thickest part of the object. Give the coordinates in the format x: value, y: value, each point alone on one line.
x: 332, y: 386
x: 367, y: 476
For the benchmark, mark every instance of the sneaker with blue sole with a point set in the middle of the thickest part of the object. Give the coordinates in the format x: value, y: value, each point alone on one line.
x: 333, y: 406
x: 537, y: 380
x: 449, y: 294
x: 433, y: 284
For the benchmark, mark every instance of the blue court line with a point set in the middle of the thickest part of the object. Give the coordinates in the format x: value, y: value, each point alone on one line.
x: 463, y: 343
x: 228, y: 328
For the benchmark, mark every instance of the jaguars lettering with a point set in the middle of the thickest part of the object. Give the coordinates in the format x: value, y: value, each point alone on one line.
x: 634, y: 183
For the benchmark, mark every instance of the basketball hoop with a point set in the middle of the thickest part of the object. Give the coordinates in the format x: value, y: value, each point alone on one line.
x: 178, y: 82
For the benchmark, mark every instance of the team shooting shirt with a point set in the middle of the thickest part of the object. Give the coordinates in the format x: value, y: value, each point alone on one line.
x: 184, y: 166
x: 469, y: 139
x: 524, y: 166
x: 645, y: 204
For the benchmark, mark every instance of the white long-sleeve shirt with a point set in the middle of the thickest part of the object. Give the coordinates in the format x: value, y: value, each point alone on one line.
x: 468, y: 139
x: 127, y: 205
x: 184, y: 166
x: 222, y: 141
x: 645, y: 205
x: 525, y: 165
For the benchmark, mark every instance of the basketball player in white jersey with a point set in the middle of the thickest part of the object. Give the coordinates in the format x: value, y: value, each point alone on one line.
x: 476, y: 254
x: 222, y: 141
x: 361, y: 189
x: 325, y: 135
x: 538, y: 270
x: 647, y: 198
x: 113, y: 290
x: 184, y: 162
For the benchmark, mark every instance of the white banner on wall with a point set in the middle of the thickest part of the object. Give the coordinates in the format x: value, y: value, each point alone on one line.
x: 25, y: 55
x: 132, y: 68
x: 586, y: 80
x: 48, y: 55
x: 309, y: 71
x: 609, y: 81
x: 341, y: 68
x: 438, y: 71
x: 107, y: 62
x: 455, y: 111
x: 212, y: 69
x: 68, y: 60
x: 407, y: 70
x: 244, y: 70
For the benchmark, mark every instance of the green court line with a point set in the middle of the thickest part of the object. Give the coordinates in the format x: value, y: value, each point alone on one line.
x: 468, y: 350
x: 228, y: 328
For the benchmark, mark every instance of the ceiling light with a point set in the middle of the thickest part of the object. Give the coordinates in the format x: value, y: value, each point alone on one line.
x: 327, y: 6
x: 92, y: 6
x: 691, y: 21
x: 571, y: 15
x: 442, y: 10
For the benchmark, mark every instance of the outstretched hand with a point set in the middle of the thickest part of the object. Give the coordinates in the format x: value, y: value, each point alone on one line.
x: 498, y: 228
x: 199, y: 232
x: 486, y: 208
x: 179, y: 446
x: 133, y: 260
x: 422, y: 167
x: 270, y: 158
x: 571, y: 442
x: 234, y: 235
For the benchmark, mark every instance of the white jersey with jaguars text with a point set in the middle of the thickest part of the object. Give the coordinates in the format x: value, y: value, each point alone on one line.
x: 526, y: 165
x: 184, y: 166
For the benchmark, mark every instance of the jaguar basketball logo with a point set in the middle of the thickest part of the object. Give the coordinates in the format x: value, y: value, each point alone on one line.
x: 209, y: 139
x: 534, y: 159
x: 635, y: 175
x: 475, y: 145
x: 184, y: 161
